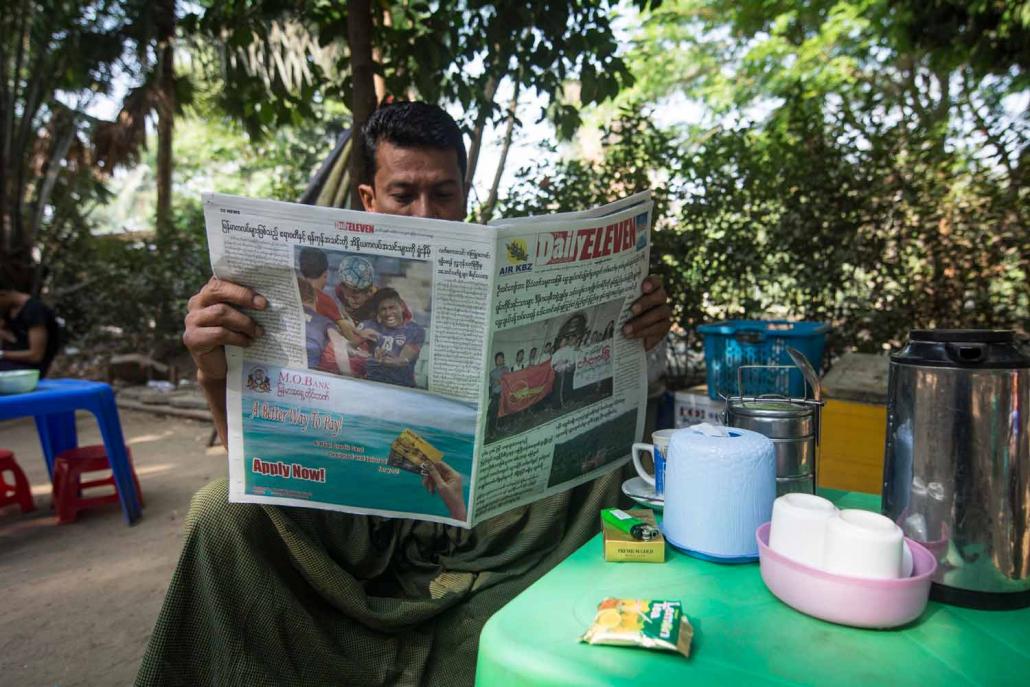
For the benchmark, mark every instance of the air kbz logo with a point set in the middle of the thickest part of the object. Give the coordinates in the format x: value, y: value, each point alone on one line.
x: 517, y: 252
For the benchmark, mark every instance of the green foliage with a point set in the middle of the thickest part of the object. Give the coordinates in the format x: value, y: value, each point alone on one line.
x: 283, y: 59
x: 55, y: 57
x: 121, y: 294
x: 152, y: 279
x: 637, y: 156
x: 797, y: 220
x: 856, y: 161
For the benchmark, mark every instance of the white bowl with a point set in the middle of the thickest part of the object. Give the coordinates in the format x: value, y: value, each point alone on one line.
x: 18, y: 381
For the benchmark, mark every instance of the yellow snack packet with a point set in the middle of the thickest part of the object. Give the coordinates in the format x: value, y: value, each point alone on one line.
x: 641, y: 622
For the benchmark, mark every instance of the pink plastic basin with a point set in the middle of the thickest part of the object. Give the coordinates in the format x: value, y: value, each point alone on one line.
x: 854, y: 601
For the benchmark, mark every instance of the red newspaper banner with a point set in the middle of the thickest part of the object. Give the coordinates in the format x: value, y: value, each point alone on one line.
x: 521, y: 389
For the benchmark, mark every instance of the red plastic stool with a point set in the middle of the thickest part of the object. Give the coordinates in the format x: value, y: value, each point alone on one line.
x: 17, y: 491
x: 69, y: 467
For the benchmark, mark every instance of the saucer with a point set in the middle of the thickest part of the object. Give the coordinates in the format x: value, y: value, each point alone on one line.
x: 643, y: 493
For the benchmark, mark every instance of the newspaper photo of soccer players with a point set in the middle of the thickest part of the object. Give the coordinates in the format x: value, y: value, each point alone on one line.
x: 366, y: 316
x: 544, y: 370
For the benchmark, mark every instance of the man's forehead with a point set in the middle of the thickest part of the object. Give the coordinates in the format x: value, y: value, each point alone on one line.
x: 415, y: 164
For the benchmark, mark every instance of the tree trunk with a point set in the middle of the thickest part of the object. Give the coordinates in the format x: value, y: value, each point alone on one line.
x: 377, y: 57
x: 359, y: 39
x: 509, y: 131
x: 476, y: 142
x: 165, y: 19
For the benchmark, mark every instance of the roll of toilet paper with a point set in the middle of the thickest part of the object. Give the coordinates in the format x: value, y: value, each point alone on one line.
x: 720, y: 484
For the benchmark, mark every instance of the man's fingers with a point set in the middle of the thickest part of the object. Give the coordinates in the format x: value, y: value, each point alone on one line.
x: 651, y: 283
x: 661, y: 314
x: 652, y: 341
x: 660, y: 328
x: 201, y: 340
x: 226, y: 316
x: 220, y: 291
x: 653, y: 334
x: 642, y: 324
x: 649, y: 300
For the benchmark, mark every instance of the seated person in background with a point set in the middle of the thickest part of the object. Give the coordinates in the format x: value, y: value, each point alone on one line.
x: 532, y: 356
x: 396, y: 343
x: 267, y: 595
x: 29, y: 333
x: 519, y: 363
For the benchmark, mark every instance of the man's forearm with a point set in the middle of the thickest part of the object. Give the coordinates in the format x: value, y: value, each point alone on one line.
x: 24, y: 356
x: 214, y: 391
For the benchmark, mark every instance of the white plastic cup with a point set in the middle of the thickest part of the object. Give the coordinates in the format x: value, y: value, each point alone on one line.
x: 860, y: 543
x: 907, y: 562
x: 799, y: 524
x: 659, y: 450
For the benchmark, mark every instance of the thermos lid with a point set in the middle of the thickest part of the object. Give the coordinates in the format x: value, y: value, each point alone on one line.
x: 964, y: 348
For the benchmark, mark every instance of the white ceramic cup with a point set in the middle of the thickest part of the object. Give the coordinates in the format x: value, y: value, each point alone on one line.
x: 798, y: 530
x: 860, y: 543
x: 659, y: 450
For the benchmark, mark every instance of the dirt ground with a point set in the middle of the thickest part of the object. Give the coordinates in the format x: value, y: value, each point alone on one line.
x: 78, y: 601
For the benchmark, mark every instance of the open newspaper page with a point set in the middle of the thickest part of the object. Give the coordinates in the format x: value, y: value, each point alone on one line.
x: 372, y: 363
x: 567, y: 392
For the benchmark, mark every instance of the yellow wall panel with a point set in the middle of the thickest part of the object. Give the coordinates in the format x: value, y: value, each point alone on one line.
x: 851, y: 450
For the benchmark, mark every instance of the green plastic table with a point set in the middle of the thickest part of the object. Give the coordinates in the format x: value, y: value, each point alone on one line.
x: 742, y: 633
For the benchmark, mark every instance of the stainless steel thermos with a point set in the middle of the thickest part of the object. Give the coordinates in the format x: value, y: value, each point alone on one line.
x: 957, y: 461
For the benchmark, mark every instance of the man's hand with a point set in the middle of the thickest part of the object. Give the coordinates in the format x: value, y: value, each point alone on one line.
x: 652, y: 314
x: 213, y: 322
x: 444, y: 480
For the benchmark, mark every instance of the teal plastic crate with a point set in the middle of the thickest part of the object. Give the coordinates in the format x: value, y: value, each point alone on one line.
x: 732, y: 343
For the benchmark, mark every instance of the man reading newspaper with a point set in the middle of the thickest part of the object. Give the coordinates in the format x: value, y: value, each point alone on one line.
x: 267, y: 595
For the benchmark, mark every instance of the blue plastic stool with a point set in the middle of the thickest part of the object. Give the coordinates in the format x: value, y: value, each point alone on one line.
x: 53, y: 404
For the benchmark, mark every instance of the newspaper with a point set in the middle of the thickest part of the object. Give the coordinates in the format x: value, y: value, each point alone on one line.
x: 428, y: 369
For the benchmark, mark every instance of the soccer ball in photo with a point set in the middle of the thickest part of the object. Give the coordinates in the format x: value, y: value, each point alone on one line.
x: 356, y: 272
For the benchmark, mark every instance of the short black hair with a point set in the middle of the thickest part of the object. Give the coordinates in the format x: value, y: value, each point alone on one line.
x: 411, y: 125
x: 498, y: 354
x: 385, y: 294
x: 313, y: 262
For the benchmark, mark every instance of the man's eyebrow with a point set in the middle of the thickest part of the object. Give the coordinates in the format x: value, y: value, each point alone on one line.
x: 401, y: 185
